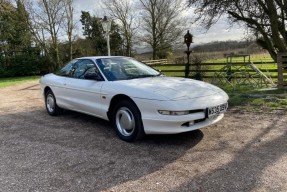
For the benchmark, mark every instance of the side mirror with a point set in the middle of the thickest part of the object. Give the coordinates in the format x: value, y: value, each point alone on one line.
x: 93, y: 76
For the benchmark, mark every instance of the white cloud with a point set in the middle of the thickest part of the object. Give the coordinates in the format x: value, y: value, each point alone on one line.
x: 93, y: 6
x: 219, y: 32
x: 219, y: 35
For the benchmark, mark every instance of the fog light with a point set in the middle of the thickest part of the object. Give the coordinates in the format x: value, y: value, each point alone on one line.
x: 191, y: 123
x: 188, y: 124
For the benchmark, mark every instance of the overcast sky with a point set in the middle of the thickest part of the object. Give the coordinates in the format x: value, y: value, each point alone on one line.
x: 219, y: 32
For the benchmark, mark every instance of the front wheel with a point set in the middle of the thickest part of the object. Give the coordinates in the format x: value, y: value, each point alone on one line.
x: 51, y: 105
x: 127, y: 121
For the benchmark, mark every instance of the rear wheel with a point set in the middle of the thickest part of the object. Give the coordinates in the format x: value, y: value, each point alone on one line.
x: 127, y: 121
x: 51, y: 105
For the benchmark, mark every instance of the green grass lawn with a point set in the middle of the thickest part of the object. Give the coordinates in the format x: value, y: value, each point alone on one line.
x: 250, y: 99
x: 4, y: 82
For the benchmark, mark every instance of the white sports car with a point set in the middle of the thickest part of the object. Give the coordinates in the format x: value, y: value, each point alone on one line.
x: 137, y: 99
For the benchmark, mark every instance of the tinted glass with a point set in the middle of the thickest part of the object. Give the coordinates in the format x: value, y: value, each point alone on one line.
x: 82, y: 67
x: 67, y: 70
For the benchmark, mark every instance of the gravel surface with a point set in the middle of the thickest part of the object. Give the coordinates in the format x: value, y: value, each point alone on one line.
x: 76, y: 152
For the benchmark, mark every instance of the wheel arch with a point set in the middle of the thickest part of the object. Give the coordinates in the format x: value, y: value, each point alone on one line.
x: 115, y: 100
x: 46, y: 89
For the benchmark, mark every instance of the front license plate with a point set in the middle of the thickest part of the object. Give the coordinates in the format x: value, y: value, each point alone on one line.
x: 217, y: 109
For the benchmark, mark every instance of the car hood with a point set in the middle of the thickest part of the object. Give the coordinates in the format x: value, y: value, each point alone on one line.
x: 172, y: 88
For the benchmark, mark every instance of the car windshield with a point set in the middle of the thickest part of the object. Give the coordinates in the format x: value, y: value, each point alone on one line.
x: 121, y: 68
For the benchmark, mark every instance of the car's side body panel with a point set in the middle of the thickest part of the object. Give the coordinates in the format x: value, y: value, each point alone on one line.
x: 84, y: 96
x: 77, y: 95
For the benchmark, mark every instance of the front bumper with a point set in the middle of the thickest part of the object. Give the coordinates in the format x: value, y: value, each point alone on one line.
x: 156, y: 123
x: 178, y: 124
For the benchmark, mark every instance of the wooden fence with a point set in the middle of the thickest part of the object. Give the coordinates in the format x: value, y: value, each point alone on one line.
x: 237, y: 73
x: 157, y: 62
x: 208, y: 69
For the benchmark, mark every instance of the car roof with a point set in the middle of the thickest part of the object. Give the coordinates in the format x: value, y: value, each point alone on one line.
x: 100, y: 57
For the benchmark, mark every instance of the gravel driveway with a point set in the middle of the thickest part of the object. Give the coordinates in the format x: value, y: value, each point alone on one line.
x: 76, y: 152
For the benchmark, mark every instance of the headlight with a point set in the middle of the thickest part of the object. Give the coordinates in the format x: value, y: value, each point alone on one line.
x: 164, y: 112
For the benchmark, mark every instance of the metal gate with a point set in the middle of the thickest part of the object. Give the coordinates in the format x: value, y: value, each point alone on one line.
x: 282, y: 69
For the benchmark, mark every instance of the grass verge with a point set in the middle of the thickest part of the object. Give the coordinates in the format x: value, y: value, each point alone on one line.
x: 5, y: 82
x: 259, y: 100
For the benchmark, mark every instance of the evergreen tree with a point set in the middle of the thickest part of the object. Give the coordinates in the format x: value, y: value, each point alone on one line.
x: 93, y: 31
x: 17, y: 57
x: 14, y: 32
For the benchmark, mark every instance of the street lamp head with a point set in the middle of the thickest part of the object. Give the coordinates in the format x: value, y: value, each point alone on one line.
x: 188, y: 39
x: 106, y: 23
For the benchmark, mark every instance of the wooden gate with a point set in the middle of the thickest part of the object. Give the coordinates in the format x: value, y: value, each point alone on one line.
x: 282, y: 69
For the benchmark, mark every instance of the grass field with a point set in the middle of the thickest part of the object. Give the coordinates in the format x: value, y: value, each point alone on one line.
x: 4, y: 82
x: 263, y: 61
x: 258, y: 100
x: 260, y: 57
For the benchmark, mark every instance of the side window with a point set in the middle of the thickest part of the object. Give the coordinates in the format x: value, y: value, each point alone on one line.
x: 82, y: 67
x: 67, y: 69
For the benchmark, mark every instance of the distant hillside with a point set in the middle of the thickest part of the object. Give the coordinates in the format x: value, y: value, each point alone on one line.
x: 216, y: 49
x: 228, y: 46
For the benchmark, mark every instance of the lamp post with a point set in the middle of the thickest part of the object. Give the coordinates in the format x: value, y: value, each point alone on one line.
x: 106, y: 23
x: 187, y: 40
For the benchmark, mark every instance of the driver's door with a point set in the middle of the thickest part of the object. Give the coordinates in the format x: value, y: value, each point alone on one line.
x: 82, y: 94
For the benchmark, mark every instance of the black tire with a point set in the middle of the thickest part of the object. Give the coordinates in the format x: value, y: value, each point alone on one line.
x: 127, y: 121
x: 51, y: 105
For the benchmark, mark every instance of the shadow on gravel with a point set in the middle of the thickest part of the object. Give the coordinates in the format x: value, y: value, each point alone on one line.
x: 244, y: 171
x: 32, y: 87
x: 76, y: 152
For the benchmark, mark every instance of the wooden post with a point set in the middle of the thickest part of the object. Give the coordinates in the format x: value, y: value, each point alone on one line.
x: 282, y: 69
x: 187, y: 65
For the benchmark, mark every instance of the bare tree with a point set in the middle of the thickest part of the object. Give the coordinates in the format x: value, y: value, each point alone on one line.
x: 70, y: 25
x: 266, y: 18
x: 5, y: 1
x: 123, y: 11
x: 162, y: 23
x: 46, y: 20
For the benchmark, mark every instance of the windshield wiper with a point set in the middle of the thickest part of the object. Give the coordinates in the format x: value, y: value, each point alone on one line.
x: 144, y: 76
x: 147, y: 75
